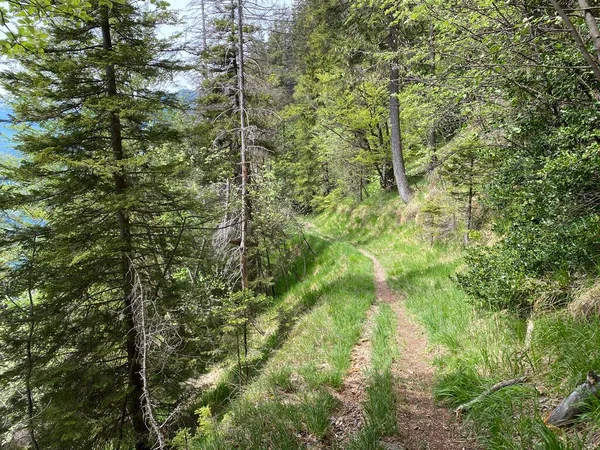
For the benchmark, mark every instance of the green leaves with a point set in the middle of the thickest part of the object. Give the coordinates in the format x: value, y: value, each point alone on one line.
x: 23, y: 27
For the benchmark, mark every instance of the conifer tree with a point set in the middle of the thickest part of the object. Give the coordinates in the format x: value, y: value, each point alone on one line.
x: 90, y: 287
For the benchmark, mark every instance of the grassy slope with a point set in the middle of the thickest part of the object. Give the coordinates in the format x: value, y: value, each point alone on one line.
x: 289, y: 403
x: 474, y: 348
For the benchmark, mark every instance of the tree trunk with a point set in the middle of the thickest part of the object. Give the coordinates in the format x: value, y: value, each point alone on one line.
x: 592, y: 25
x: 431, y: 135
x: 245, y: 169
x: 31, y: 320
x: 593, y: 63
x: 385, y: 175
x: 397, y: 157
x: 204, y: 32
x: 470, y: 199
x: 127, y: 273
x: 243, y: 148
x: 571, y: 407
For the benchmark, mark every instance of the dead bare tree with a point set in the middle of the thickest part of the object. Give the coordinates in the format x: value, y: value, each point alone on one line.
x: 156, y: 340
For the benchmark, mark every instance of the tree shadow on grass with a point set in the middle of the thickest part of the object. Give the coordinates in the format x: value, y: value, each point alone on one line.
x: 302, y: 266
x: 220, y: 397
x: 281, y: 420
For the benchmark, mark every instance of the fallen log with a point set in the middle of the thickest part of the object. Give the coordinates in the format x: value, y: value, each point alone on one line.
x: 503, y: 384
x: 572, y: 406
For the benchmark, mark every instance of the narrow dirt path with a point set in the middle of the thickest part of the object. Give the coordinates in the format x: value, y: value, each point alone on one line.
x: 349, y: 416
x: 422, y: 424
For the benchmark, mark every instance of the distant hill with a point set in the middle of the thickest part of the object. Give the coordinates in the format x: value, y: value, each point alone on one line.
x: 187, y: 95
x: 6, y: 133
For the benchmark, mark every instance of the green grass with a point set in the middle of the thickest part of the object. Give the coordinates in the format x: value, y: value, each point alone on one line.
x: 474, y: 348
x: 298, y: 295
x: 290, y: 402
x: 380, y: 406
x: 312, y: 326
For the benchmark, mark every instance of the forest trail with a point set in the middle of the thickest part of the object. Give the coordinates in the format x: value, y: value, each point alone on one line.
x: 349, y: 417
x: 422, y: 425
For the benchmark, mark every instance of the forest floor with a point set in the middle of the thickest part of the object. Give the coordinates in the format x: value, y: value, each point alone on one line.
x: 422, y: 424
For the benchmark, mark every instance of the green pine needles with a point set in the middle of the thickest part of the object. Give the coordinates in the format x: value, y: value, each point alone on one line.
x: 96, y: 228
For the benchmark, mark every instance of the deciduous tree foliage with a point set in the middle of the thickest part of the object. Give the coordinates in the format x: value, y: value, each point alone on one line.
x: 498, y: 99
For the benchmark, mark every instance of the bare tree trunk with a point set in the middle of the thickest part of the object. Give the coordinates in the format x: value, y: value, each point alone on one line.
x: 431, y: 135
x: 138, y: 302
x: 31, y: 320
x: 203, y: 12
x: 592, y: 24
x: 243, y: 149
x: 471, y: 194
x: 593, y: 63
x: 133, y: 361
x: 241, y: 78
x: 397, y: 157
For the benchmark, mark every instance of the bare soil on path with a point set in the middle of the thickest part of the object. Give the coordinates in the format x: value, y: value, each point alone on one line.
x: 349, y: 416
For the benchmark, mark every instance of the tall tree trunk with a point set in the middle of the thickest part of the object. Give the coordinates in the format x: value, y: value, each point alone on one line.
x: 592, y: 25
x: 31, y: 320
x: 384, y: 174
x: 245, y: 169
x: 243, y: 148
x: 431, y: 135
x: 204, y: 32
x: 397, y: 157
x: 127, y: 273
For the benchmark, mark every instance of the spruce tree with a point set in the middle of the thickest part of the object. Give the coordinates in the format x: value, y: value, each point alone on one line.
x: 90, y: 284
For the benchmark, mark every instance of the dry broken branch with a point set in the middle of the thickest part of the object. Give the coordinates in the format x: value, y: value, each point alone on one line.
x: 503, y: 384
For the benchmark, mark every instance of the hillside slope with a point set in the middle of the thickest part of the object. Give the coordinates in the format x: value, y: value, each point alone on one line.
x: 341, y: 376
x: 474, y: 348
